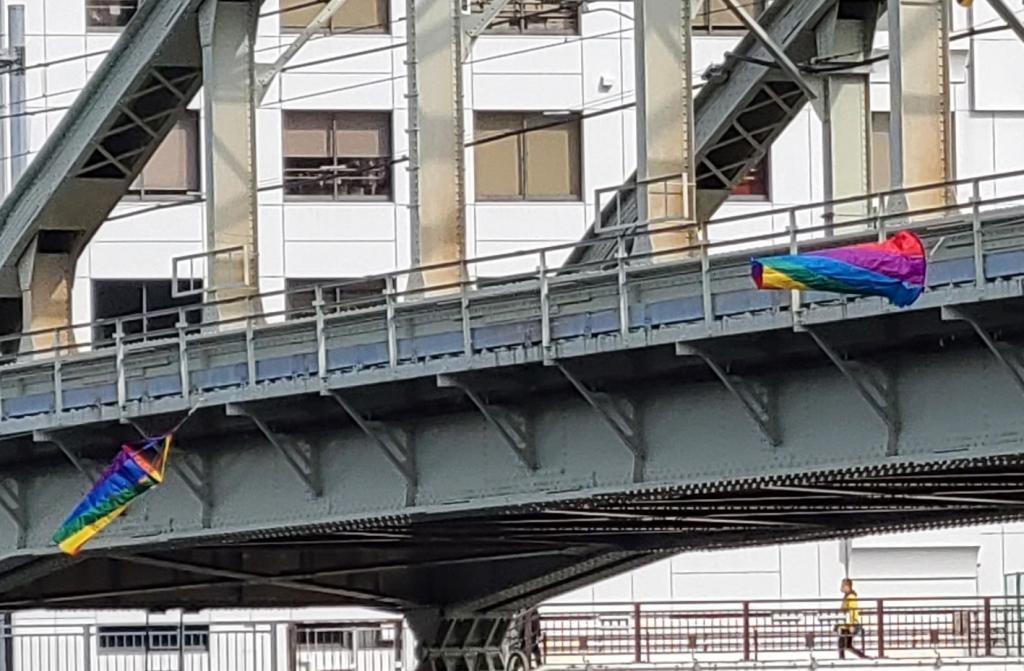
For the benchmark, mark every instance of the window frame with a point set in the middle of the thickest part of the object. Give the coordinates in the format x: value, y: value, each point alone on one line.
x: 478, y: 5
x: 383, y: 29
x: 388, y: 133
x: 191, y: 191
x: 765, y: 164
x: 100, y: 335
x: 703, y: 23
x: 144, y: 639
x: 525, y: 117
x: 98, y: 28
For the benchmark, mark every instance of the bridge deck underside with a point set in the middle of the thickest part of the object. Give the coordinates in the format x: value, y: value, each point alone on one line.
x: 411, y: 561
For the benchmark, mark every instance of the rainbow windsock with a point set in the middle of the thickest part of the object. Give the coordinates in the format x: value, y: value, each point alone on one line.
x: 138, y: 468
x: 894, y: 269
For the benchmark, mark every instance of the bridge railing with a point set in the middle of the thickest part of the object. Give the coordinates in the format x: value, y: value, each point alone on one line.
x: 717, y: 261
x: 898, y: 628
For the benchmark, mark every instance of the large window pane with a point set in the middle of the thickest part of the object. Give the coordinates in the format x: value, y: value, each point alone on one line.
x: 716, y: 15
x: 173, y: 169
x: 553, y: 159
x: 337, y: 155
x: 126, y: 298
x: 498, y: 163
x: 552, y: 17
x: 354, y: 15
x: 102, y: 14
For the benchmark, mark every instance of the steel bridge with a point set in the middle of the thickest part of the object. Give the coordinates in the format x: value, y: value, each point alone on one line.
x: 469, y: 442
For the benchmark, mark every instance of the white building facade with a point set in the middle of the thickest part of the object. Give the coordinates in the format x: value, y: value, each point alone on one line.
x: 342, y: 103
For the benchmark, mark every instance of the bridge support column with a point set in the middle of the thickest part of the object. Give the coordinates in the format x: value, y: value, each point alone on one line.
x: 845, y: 112
x: 437, y: 165
x: 45, y: 275
x: 228, y: 35
x: 919, y: 100
x: 458, y: 643
x: 665, y: 180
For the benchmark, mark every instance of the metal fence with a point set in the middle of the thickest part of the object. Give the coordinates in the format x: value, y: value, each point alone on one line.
x: 753, y: 630
x: 256, y: 646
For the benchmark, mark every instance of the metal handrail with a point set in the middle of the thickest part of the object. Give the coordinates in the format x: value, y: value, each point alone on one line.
x: 794, y: 235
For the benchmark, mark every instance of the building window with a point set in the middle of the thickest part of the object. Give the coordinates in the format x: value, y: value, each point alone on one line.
x: 105, y: 14
x: 715, y: 15
x: 323, y: 636
x: 154, y: 639
x: 173, y: 170
x: 339, y: 295
x: 337, y: 155
x: 518, y: 163
x: 355, y: 16
x: 881, y: 175
x: 531, y: 17
x: 128, y: 298
x: 756, y: 184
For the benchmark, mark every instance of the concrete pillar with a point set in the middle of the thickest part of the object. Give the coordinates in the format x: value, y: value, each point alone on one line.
x: 845, y: 110
x: 45, y: 278
x: 664, y: 120
x: 920, y: 132
x: 437, y: 159
x: 228, y: 34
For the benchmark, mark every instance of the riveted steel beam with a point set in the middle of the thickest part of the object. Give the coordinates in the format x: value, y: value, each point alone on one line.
x: 1011, y: 358
x: 619, y: 414
x: 195, y: 474
x: 754, y: 397
x: 665, y: 166
x: 393, y: 441
x: 12, y: 503
x: 513, y: 427
x: 874, y: 385
x: 299, y: 456
x: 90, y: 471
x: 459, y: 643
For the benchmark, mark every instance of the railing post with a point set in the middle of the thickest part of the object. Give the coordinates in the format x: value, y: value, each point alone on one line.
x: 321, y: 338
x: 545, y: 304
x: 250, y: 351
x: 746, y: 631
x: 705, y: 274
x: 880, y: 617
x: 183, y: 354
x: 979, y: 250
x: 389, y: 316
x: 623, y: 290
x: 58, y: 382
x: 122, y: 384
x: 794, y: 295
x: 637, y: 651
x: 988, y: 626
x: 467, y: 322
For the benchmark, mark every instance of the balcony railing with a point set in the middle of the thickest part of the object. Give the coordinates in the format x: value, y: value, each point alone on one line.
x: 897, y: 628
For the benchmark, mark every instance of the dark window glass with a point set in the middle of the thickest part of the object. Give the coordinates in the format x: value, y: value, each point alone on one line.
x: 128, y: 298
x: 155, y: 638
x: 534, y: 17
x: 755, y: 183
x: 338, y: 295
x: 337, y: 155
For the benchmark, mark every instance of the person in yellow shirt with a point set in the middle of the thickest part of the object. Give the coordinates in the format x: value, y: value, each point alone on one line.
x: 852, y: 627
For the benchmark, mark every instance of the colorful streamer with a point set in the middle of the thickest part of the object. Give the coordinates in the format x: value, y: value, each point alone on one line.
x: 138, y: 468
x: 894, y: 269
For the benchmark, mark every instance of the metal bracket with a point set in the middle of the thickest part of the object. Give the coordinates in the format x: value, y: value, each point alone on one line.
x: 513, y: 427
x: 1010, y: 357
x: 394, y: 442
x: 12, y: 502
x: 619, y: 414
x: 192, y: 470
x: 475, y: 26
x: 875, y: 386
x: 755, y: 398
x: 300, y: 457
x: 90, y: 471
x: 777, y: 52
